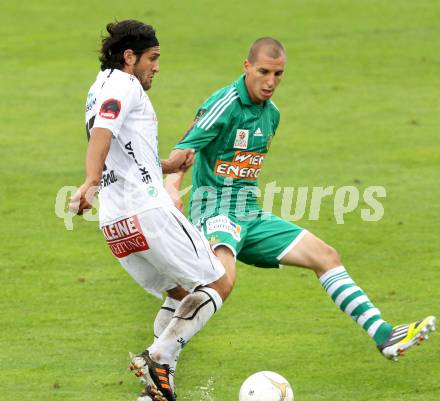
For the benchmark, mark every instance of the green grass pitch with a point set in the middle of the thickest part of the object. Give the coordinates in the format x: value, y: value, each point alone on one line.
x: 360, y: 106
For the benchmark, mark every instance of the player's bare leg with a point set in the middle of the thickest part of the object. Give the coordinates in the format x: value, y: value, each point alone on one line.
x: 228, y: 261
x: 313, y: 253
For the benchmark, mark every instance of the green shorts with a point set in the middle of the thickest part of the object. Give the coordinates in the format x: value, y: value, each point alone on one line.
x: 260, y: 240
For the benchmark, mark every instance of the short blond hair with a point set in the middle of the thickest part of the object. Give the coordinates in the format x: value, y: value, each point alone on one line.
x: 272, y: 47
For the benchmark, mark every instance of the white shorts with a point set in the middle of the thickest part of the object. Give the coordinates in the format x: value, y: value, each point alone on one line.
x: 162, y: 250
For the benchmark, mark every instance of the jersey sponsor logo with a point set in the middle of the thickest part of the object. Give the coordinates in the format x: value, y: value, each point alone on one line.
x: 108, y: 178
x: 241, y: 139
x: 213, y: 239
x: 145, y: 174
x: 110, y: 109
x: 223, y: 224
x: 244, y: 166
x: 152, y: 191
x: 91, y: 100
x: 125, y: 237
x: 258, y: 132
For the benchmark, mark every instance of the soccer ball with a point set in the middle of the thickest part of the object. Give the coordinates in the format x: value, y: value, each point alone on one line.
x: 266, y: 386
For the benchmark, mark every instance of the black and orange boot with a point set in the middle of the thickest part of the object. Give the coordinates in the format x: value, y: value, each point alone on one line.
x: 154, y: 374
x: 151, y: 393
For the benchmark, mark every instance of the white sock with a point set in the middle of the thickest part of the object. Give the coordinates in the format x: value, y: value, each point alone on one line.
x: 163, y: 319
x: 164, y: 316
x: 191, y: 315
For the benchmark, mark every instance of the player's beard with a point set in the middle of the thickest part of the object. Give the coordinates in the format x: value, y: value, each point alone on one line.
x: 146, y: 83
x: 143, y: 79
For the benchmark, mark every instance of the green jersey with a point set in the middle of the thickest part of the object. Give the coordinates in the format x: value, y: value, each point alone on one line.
x: 231, y: 136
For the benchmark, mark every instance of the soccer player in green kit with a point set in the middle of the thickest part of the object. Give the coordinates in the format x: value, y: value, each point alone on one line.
x: 231, y: 135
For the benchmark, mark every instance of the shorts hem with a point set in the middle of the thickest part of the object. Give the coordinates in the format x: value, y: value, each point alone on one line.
x: 234, y: 252
x: 292, y: 244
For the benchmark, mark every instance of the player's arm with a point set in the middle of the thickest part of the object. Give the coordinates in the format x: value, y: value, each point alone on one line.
x: 172, y: 184
x: 174, y: 181
x: 97, y: 150
x: 178, y: 160
x: 276, y: 118
x: 195, y: 139
x: 113, y: 105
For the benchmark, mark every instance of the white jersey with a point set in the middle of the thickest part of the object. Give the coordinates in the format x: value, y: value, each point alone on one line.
x: 132, y: 178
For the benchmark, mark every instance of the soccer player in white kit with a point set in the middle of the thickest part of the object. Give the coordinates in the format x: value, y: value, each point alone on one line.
x: 152, y: 240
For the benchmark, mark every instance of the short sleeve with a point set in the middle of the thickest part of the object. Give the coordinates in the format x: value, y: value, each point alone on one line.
x: 113, y: 104
x: 276, y: 118
x: 211, y: 119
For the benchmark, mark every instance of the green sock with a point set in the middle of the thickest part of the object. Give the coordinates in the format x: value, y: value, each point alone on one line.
x: 353, y: 301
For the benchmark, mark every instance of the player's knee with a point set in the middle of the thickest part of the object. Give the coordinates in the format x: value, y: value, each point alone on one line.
x: 330, y: 258
x: 229, y: 284
x: 231, y: 279
x: 227, y: 287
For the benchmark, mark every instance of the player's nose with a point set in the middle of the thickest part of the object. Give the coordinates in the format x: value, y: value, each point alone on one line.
x: 270, y: 81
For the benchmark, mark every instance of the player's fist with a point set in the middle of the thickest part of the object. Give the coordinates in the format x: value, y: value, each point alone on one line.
x: 189, y: 161
x: 178, y: 160
x: 82, y: 199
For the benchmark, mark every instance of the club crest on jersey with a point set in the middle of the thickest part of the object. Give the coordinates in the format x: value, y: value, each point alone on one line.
x: 110, y: 109
x: 241, y: 139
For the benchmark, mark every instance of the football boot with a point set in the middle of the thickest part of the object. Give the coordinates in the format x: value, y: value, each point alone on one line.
x: 405, y: 336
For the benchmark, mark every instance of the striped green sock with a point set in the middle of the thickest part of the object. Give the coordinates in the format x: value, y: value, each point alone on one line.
x: 354, y: 302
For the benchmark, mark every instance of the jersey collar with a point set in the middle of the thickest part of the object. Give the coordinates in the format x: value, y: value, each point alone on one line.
x: 244, y: 94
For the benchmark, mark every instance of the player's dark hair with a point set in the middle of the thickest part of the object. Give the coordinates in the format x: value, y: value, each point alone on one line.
x: 272, y: 47
x: 123, y: 35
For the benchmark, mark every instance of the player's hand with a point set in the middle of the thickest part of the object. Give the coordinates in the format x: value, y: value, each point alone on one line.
x: 190, y: 156
x: 82, y: 200
x: 179, y: 204
x: 178, y: 160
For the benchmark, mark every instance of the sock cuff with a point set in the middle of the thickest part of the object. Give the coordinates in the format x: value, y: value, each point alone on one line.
x: 331, y: 273
x: 170, y: 303
x: 213, y: 295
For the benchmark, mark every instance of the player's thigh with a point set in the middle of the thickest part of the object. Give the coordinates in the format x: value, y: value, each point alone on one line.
x: 178, y: 250
x: 268, y: 239
x: 313, y: 253
x: 146, y: 274
x: 129, y: 245
x: 227, y: 258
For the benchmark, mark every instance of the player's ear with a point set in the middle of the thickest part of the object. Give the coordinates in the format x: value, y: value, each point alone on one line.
x: 129, y: 57
x: 246, y: 65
